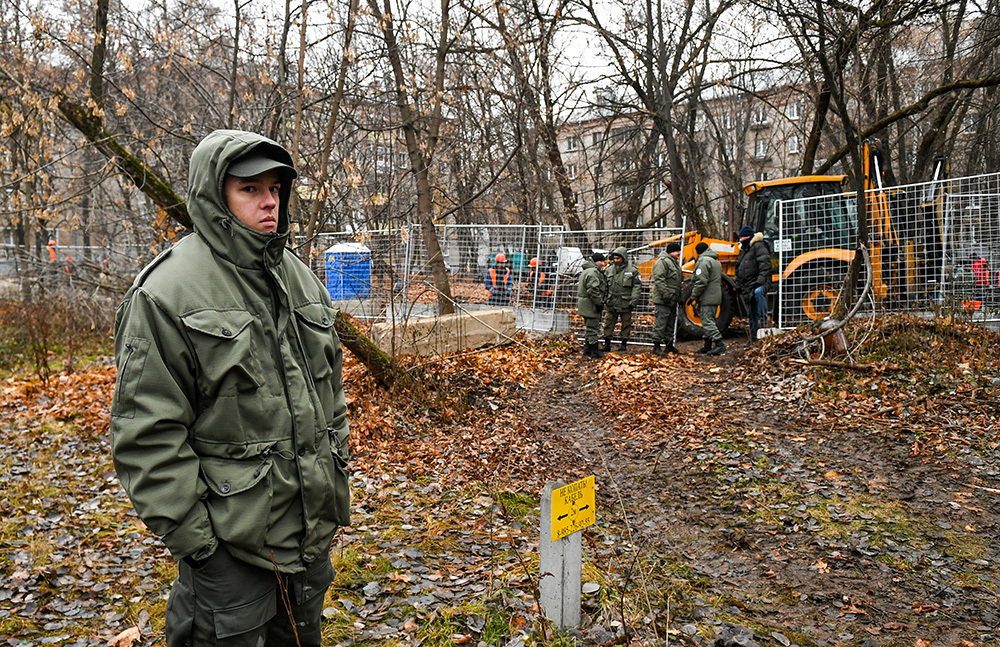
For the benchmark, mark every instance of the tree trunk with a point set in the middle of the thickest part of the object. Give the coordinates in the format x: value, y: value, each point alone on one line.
x: 421, y: 152
x: 379, y: 365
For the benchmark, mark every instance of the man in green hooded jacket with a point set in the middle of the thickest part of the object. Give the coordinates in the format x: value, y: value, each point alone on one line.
x: 706, y: 291
x: 666, y: 294
x: 591, y: 295
x: 229, y: 424
x: 624, y: 293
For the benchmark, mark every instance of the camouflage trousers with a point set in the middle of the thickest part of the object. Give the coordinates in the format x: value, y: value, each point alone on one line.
x: 592, y: 329
x: 663, y: 326
x: 229, y: 602
x: 611, y: 318
x: 708, y: 325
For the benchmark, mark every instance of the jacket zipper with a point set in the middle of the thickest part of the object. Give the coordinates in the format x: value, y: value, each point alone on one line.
x: 122, y: 372
x: 275, y: 301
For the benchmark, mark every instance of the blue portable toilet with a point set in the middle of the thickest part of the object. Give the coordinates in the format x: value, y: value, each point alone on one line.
x: 349, y: 271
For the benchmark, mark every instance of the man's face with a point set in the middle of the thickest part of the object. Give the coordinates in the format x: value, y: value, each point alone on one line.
x: 601, y: 264
x: 676, y: 254
x: 617, y: 259
x: 744, y: 239
x: 255, y: 200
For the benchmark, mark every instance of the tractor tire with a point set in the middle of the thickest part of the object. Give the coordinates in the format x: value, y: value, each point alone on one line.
x: 811, y: 293
x: 688, y: 321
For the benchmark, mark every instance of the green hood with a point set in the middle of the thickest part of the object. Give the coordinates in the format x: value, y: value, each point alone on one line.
x: 621, y: 251
x: 227, y: 236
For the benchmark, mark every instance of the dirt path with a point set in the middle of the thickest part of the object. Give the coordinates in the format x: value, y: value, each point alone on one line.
x: 807, y: 526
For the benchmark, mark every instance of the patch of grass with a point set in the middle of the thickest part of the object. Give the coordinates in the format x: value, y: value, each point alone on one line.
x: 490, y: 621
x: 964, y: 545
x: 517, y: 505
x: 974, y: 581
x: 559, y: 640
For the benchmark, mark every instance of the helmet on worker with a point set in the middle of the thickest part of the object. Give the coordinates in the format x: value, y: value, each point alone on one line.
x: 533, y: 262
x: 501, y: 258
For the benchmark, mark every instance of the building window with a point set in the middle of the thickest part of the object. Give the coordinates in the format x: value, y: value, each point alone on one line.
x: 571, y: 171
x: 760, y: 148
x: 729, y: 121
x: 759, y: 115
x: 793, y: 144
x: 764, y: 176
x: 795, y: 110
x: 597, y: 138
x: 599, y: 194
x: 573, y: 143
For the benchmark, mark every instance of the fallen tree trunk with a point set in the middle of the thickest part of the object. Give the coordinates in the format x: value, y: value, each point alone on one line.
x: 380, y: 365
x: 92, y: 126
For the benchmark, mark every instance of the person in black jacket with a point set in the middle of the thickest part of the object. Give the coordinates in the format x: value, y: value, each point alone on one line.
x: 753, y: 276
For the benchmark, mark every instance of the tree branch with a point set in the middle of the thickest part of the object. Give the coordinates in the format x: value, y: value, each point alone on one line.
x: 919, y: 106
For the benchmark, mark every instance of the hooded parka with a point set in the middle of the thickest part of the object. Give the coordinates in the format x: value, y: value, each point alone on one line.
x: 707, y: 286
x: 592, y: 291
x: 229, y: 423
x: 667, y: 280
x: 624, y: 283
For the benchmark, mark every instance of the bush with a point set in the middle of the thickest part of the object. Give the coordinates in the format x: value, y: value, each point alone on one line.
x: 38, y: 326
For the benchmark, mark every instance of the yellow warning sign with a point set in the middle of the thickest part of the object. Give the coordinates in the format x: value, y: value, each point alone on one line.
x: 573, y: 508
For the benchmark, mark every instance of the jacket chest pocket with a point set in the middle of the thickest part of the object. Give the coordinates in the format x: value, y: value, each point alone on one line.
x: 223, y: 344
x: 321, y: 347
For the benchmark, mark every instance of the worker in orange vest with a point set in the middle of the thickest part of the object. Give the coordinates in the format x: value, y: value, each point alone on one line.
x: 540, y: 287
x: 499, y: 282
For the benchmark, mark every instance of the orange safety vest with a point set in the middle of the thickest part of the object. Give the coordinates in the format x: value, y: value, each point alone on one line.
x: 541, y: 282
x: 493, y: 277
x: 980, y: 272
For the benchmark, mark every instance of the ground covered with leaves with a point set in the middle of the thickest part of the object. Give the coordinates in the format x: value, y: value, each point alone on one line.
x: 755, y: 498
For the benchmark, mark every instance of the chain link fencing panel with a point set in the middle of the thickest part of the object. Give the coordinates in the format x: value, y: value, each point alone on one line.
x: 386, y: 275
x: 103, y: 268
x: 934, y: 247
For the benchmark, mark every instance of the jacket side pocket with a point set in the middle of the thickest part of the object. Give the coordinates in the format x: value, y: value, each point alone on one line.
x: 130, y: 362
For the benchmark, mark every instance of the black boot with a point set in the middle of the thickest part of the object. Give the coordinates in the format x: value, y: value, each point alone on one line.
x: 671, y: 350
x: 718, y: 349
x: 607, y: 345
x: 656, y: 348
x: 704, y: 349
x: 623, y: 347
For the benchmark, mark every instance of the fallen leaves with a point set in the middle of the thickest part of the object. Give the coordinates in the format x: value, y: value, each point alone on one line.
x: 126, y: 638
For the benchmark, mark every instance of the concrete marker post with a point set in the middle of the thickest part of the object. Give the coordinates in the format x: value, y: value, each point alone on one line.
x: 560, y: 568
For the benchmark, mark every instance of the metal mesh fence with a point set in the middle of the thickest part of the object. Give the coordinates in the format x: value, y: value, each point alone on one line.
x: 934, y: 247
x: 386, y: 275
x: 108, y: 267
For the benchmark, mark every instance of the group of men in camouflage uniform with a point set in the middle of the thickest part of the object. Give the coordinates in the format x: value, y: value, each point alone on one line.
x: 617, y: 289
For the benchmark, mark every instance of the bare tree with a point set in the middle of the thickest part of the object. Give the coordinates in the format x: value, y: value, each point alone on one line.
x: 421, y: 124
x: 660, y: 52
